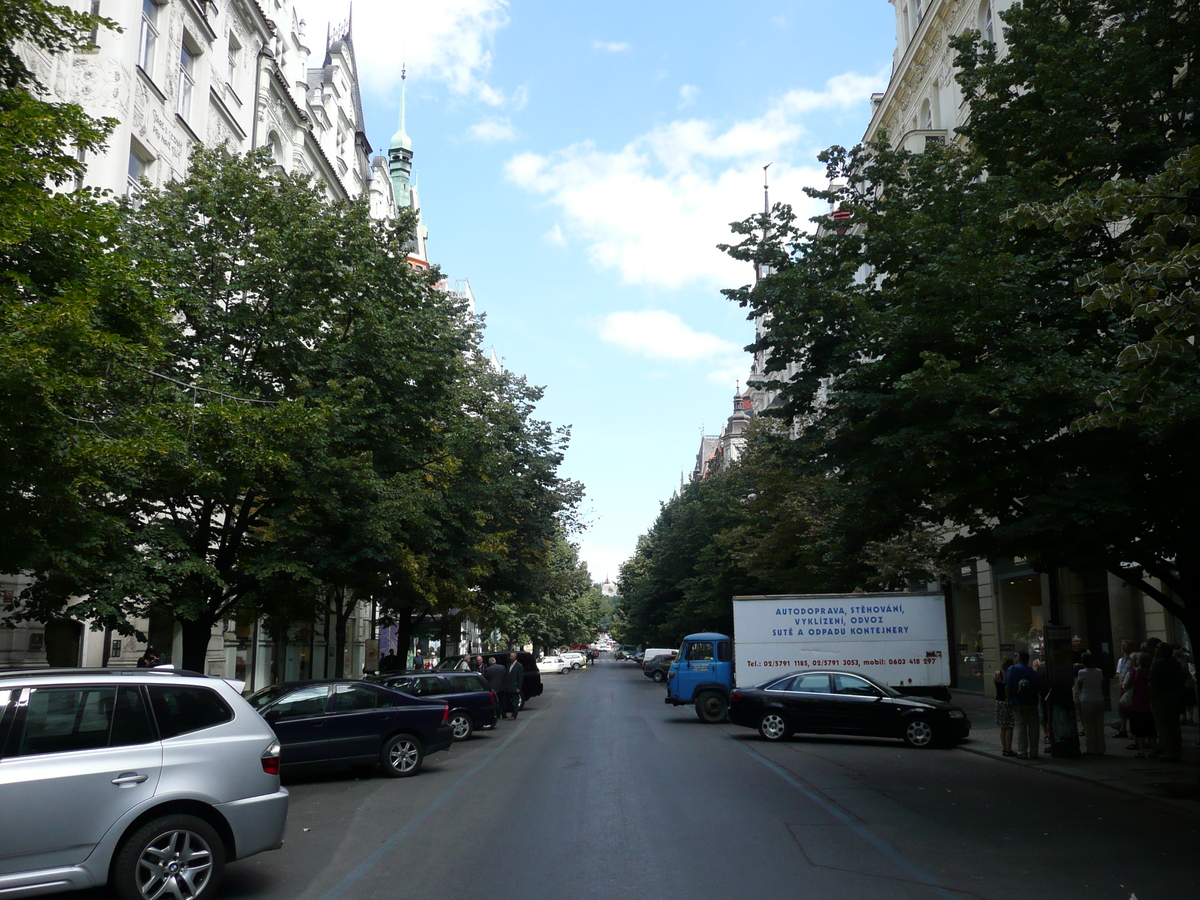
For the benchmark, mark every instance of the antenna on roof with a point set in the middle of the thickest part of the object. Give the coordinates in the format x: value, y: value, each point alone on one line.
x: 766, y: 191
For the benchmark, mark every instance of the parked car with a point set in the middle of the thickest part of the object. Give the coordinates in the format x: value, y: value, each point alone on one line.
x: 532, y: 685
x: 554, y: 664
x: 149, y: 780
x: 575, y: 658
x: 657, y: 668
x: 841, y: 702
x: 472, y: 702
x: 353, y: 723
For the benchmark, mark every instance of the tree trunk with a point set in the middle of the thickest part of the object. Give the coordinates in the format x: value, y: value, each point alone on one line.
x: 342, y: 607
x: 196, y: 636
x: 406, y: 626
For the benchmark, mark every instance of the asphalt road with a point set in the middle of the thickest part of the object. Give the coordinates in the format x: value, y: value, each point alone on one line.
x: 601, y: 790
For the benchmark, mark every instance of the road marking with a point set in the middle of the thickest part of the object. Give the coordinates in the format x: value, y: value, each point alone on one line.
x: 915, y: 872
x: 371, y: 861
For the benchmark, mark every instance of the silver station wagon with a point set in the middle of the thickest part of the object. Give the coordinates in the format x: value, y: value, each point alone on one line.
x: 146, y: 779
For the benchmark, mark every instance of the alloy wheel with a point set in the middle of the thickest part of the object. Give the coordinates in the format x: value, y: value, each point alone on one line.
x: 176, y: 864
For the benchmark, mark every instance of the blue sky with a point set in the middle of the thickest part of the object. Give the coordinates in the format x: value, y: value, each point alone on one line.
x: 578, y: 162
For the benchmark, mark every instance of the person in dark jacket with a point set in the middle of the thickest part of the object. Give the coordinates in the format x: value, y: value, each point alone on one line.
x: 494, y: 673
x: 514, y: 676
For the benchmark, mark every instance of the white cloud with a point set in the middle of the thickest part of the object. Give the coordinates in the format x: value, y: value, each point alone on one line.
x: 611, y: 46
x: 687, y: 95
x: 655, y: 209
x: 658, y: 334
x: 555, y: 236
x: 449, y: 41
x: 491, y: 131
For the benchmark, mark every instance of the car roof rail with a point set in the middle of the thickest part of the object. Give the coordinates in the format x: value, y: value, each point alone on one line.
x: 160, y: 671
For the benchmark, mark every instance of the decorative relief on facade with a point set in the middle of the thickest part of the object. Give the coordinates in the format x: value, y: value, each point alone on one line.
x: 165, y: 137
x: 96, y: 83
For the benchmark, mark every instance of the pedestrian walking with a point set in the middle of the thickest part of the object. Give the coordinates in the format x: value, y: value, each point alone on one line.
x: 1188, y: 713
x: 1089, y: 685
x: 1141, y: 720
x: 148, y: 660
x: 418, y: 661
x: 1022, y: 687
x: 514, y: 677
x: 1004, y: 712
x: 1166, y: 702
x: 494, y: 673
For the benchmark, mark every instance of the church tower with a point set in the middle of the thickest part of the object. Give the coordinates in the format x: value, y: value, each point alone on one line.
x: 404, y: 188
x: 400, y: 156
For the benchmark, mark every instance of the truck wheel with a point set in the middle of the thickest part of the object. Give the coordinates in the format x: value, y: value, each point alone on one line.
x: 657, y: 676
x: 712, y: 707
x: 772, y: 727
x: 918, y: 733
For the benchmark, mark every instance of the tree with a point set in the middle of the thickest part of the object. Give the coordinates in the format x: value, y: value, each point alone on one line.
x: 75, y: 326
x: 947, y: 371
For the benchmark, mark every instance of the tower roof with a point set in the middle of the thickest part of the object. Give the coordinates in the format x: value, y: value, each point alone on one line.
x: 401, y: 139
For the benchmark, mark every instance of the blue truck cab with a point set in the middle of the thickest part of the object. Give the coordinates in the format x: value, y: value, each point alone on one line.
x: 703, y: 674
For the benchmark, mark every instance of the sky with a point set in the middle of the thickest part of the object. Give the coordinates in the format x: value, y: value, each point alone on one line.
x: 579, y: 163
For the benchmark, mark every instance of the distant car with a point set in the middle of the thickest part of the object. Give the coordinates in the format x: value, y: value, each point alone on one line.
x: 473, y: 704
x: 554, y: 664
x: 840, y: 702
x: 148, y: 780
x: 353, y: 723
x: 575, y: 658
x: 657, y: 668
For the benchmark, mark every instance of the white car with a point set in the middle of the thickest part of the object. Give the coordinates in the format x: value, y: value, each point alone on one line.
x: 575, y: 658
x: 554, y: 664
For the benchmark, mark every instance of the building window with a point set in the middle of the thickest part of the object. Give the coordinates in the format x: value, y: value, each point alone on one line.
x: 115, y: 649
x: 987, y: 27
x: 926, y: 116
x: 919, y: 9
x: 187, y: 79
x: 139, y: 168
x: 235, y: 61
x: 148, y: 38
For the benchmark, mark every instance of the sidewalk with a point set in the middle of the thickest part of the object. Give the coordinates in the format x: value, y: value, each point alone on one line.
x: 1175, y: 783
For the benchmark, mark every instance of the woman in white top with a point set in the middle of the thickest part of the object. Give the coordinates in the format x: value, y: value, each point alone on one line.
x: 1089, y: 684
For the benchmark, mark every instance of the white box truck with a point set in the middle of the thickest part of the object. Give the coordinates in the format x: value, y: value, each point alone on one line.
x: 898, y: 638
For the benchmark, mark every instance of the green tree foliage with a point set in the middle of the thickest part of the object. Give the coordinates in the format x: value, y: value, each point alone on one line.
x: 74, y: 324
x: 948, y: 373
x: 311, y: 425
x: 565, y: 608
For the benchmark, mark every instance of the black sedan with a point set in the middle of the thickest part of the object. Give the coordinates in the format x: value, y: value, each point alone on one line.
x: 351, y: 723
x: 832, y: 702
x: 472, y: 702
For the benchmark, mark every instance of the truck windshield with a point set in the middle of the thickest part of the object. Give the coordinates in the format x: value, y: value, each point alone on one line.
x: 700, y: 650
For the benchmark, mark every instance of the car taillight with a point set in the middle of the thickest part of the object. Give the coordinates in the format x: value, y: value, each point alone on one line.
x: 735, y: 696
x: 270, y: 758
x: 446, y: 713
x: 493, y: 698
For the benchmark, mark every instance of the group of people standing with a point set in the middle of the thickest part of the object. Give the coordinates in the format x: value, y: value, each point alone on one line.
x: 505, y: 680
x: 1158, y: 695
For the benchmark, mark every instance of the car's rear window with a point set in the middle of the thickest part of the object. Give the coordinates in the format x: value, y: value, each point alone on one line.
x: 465, y: 683
x: 180, y: 708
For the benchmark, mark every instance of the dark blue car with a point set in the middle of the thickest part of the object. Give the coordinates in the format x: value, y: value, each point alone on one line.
x: 472, y: 702
x: 353, y: 723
